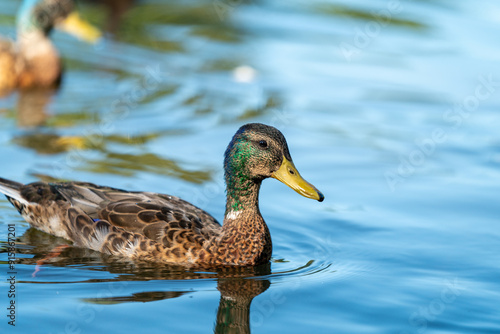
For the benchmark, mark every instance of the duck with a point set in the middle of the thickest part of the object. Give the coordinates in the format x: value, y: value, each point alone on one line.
x: 33, y: 61
x: 115, y: 9
x: 154, y: 227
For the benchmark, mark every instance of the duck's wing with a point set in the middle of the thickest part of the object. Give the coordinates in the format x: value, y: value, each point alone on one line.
x: 150, y: 214
x: 140, y: 225
x: 147, y: 226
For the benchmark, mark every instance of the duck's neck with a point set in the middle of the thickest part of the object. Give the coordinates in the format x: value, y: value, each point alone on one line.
x: 40, y: 59
x: 42, y: 64
x: 242, y: 194
x: 243, y: 226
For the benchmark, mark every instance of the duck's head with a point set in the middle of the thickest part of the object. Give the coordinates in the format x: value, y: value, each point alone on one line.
x: 259, y: 151
x: 41, y: 16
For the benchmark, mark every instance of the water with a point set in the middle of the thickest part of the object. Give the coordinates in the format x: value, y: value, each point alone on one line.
x: 390, y: 108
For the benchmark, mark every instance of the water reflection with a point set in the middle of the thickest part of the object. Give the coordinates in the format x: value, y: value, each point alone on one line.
x: 237, y: 286
x: 386, y: 16
x: 32, y: 105
x: 47, y: 142
x: 110, y: 160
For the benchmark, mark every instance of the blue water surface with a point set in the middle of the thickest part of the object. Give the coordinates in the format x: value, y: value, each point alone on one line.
x: 391, y: 108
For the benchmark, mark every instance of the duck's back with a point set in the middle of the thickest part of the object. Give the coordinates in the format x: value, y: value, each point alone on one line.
x: 115, y: 221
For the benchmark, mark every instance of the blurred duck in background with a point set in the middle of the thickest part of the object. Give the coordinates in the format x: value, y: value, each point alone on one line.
x: 33, y: 61
x: 115, y: 10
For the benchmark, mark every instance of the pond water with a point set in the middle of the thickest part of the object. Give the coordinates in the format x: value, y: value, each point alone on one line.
x: 391, y: 108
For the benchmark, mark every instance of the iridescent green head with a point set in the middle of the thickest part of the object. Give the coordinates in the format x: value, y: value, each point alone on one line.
x: 259, y: 151
x: 43, y: 15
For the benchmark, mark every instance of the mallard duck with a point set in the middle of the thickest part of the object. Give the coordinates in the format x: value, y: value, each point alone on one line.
x: 33, y: 61
x: 163, y: 228
x: 116, y: 9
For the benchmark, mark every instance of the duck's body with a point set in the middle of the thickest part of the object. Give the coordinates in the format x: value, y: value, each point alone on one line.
x: 33, y: 61
x: 163, y: 228
x: 8, y: 59
x: 38, y: 66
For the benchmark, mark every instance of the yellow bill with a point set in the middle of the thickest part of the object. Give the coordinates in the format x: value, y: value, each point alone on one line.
x: 289, y: 175
x: 76, y: 26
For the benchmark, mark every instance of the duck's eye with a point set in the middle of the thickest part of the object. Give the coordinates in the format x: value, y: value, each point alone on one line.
x: 263, y: 143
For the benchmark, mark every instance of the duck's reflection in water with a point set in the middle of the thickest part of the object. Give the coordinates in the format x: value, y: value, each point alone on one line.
x: 32, y: 105
x: 236, y: 295
x: 237, y: 286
